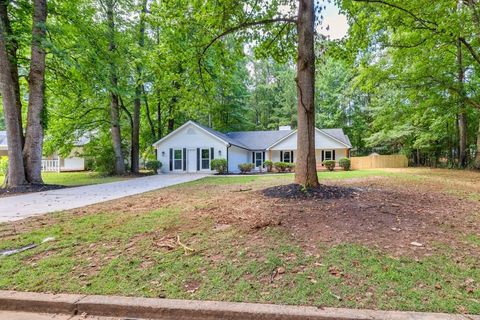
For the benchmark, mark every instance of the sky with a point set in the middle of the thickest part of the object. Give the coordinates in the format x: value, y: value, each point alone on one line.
x: 338, y: 26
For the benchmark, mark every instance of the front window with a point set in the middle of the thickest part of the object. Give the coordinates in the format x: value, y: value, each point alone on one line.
x: 328, y: 155
x: 258, y: 159
x: 205, y: 153
x: 287, y: 156
x: 177, y: 159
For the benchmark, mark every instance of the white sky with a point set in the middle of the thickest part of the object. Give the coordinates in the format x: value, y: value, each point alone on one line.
x: 338, y: 26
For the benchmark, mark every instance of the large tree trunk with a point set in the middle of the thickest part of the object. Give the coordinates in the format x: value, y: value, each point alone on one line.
x: 114, y: 103
x: 12, y: 47
x: 16, y: 170
x: 32, y: 152
x: 135, y: 151
x: 305, y: 168
x: 462, y: 116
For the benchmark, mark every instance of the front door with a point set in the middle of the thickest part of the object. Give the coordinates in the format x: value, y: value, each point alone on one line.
x: 192, y: 160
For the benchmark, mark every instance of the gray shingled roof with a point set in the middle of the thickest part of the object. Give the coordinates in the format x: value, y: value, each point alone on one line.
x: 261, y: 140
x: 258, y: 140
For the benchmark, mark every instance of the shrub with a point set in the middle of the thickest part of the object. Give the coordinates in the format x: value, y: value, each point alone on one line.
x: 291, y: 167
x: 3, y: 166
x: 153, y: 165
x: 345, y: 163
x: 281, y: 166
x: 329, y: 164
x: 246, y: 167
x: 269, y: 165
x: 220, y: 165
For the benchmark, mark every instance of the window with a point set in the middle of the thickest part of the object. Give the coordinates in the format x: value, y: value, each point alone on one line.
x: 287, y: 156
x: 178, y: 159
x: 205, y: 157
x: 328, y: 155
x: 258, y: 159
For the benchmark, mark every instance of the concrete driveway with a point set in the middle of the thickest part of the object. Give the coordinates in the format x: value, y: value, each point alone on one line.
x: 27, y: 205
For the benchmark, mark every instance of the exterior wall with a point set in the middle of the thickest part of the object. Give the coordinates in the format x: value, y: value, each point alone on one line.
x: 3, y: 153
x: 237, y: 156
x: 189, y: 137
x: 72, y: 164
x: 322, y: 141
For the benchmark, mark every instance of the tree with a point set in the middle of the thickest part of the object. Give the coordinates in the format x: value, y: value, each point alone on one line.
x: 32, y: 151
x: 305, y: 167
x: 16, y: 170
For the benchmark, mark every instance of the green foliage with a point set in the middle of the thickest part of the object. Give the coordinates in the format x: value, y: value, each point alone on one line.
x: 153, y: 165
x: 329, y: 164
x: 246, y: 167
x: 3, y: 166
x: 345, y: 163
x: 283, y: 166
x: 100, y: 156
x: 220, y: 165
x: 269, y: 165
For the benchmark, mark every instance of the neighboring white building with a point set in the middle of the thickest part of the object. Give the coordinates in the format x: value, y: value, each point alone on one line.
x: 192, y: 146
x: 73, y: 162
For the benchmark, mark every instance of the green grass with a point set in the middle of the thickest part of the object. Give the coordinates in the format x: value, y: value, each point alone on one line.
x: 121, y: 253
x: 75, y: 178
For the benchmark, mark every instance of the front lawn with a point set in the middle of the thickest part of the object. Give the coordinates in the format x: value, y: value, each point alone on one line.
x: 405, y: 239
x: 75, y: 178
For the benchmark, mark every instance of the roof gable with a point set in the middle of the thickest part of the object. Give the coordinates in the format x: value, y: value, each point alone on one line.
x: 214, y: 134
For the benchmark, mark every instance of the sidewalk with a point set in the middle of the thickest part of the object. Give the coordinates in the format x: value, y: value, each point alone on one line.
x: 64, y: 305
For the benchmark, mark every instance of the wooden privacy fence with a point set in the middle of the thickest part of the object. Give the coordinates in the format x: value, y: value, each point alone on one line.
x: 378, y: 161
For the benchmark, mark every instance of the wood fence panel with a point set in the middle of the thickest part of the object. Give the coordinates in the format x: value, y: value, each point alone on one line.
x: 378, y: 161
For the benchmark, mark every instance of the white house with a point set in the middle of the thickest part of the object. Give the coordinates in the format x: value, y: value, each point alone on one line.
x: 73, y: 162
x: 192, y: 146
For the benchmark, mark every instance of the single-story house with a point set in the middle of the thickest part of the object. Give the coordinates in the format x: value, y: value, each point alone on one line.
x: 192, y: 146
x: 73, y: 162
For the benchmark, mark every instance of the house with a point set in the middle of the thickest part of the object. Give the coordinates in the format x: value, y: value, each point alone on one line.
x: 73, y: 162
x: 192, y: 147
x: 3, y: 144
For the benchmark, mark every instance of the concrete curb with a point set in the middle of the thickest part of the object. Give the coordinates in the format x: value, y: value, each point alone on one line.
x: 168, y: 309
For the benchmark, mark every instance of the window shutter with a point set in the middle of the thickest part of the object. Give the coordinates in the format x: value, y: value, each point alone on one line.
x: 211, y: 153
x: 198, y: 159
x: 184, y: 159
x: 171, y: 159
x: 253, y: 157
x: 281, y: 156
x: 292, y: 157
x: 263, y: 156
x: 323, y: 156
x: 333, y: 155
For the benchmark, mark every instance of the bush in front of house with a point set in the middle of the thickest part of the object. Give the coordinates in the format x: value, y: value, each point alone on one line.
x: 219, y: 165
x: 3, y: 166
x: 329, y: 164
x: 153, y: 165
x: 281, y: 166
x: 345, y: 163
x: 269, y: 165
x: 291, y: 167
x: 246, y: 167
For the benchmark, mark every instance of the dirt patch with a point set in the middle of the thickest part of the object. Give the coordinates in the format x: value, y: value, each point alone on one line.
x: 7, y: 192
x: 296, y: 191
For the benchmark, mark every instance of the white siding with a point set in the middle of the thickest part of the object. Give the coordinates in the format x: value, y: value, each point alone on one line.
x: 73, y: 164
x: 322, y: 141
x: 237, y: 156
x: 189, y: 137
